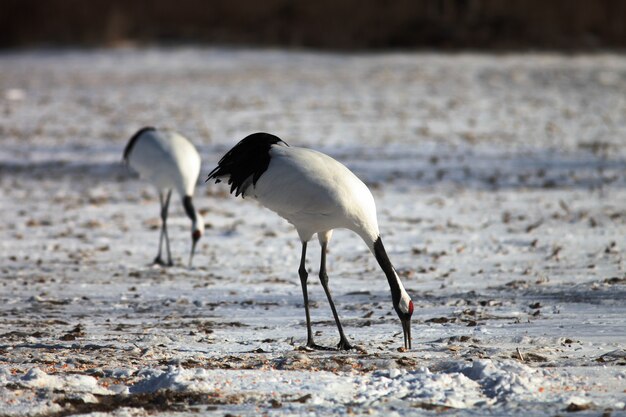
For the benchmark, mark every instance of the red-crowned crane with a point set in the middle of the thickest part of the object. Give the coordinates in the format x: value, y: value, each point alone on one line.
x: 170, y: 162
x: 316, y: 194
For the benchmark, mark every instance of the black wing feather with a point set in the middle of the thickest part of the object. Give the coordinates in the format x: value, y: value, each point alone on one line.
x: 249, y: 158
x: 133, y: 140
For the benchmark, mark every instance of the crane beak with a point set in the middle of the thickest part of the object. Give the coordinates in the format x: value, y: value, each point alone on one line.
x: 195, y: 237
x: 193, y: 249
x: 406, y: 328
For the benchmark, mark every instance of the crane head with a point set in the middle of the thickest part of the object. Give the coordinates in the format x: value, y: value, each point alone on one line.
x: 404, y: 309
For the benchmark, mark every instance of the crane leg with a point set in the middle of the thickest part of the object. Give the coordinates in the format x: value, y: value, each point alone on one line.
x: 304, y: 275
x: 343, y: 341
x: 167, y: 238
x: 165, y: 203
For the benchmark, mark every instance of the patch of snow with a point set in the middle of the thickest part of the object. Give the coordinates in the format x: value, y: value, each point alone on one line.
x: 419, y: 386
x: 505, y: 379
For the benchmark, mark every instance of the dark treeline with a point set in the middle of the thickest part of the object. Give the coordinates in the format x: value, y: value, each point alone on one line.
x: 333, y: 24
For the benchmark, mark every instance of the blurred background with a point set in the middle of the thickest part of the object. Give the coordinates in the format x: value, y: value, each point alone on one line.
x: 328, y: 24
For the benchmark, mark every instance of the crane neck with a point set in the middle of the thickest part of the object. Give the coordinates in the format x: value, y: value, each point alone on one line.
x: 189, y: 208
x: 392, y: 277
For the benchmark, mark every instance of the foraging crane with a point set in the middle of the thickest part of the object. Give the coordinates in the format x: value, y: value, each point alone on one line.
x: 170, y: 162
x: 316, y: 194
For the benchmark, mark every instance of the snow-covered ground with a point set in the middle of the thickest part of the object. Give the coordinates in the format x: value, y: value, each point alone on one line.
x: 500, y: 183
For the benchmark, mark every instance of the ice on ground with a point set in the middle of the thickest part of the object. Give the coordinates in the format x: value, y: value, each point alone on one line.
x: 505, y: 379
x: 419, y: 386
x: 34, y: 392
x: 274, y: 383
x: 36, y: 378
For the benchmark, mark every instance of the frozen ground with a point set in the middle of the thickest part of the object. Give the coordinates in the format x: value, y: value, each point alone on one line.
x: 500, y: 183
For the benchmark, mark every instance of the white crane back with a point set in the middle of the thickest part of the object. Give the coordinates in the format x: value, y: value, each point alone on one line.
x: 166, y: 159
x: 315, y: 193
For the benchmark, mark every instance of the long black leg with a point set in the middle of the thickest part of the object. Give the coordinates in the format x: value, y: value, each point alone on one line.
x: 165, y: 202
x: 164, y: 218
x: 158, y: 259
x: 304, y: 275
x: 343, y: 341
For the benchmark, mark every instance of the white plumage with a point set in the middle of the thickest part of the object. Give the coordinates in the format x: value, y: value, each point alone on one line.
x: 316, y: 194
x: 170, y: 162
